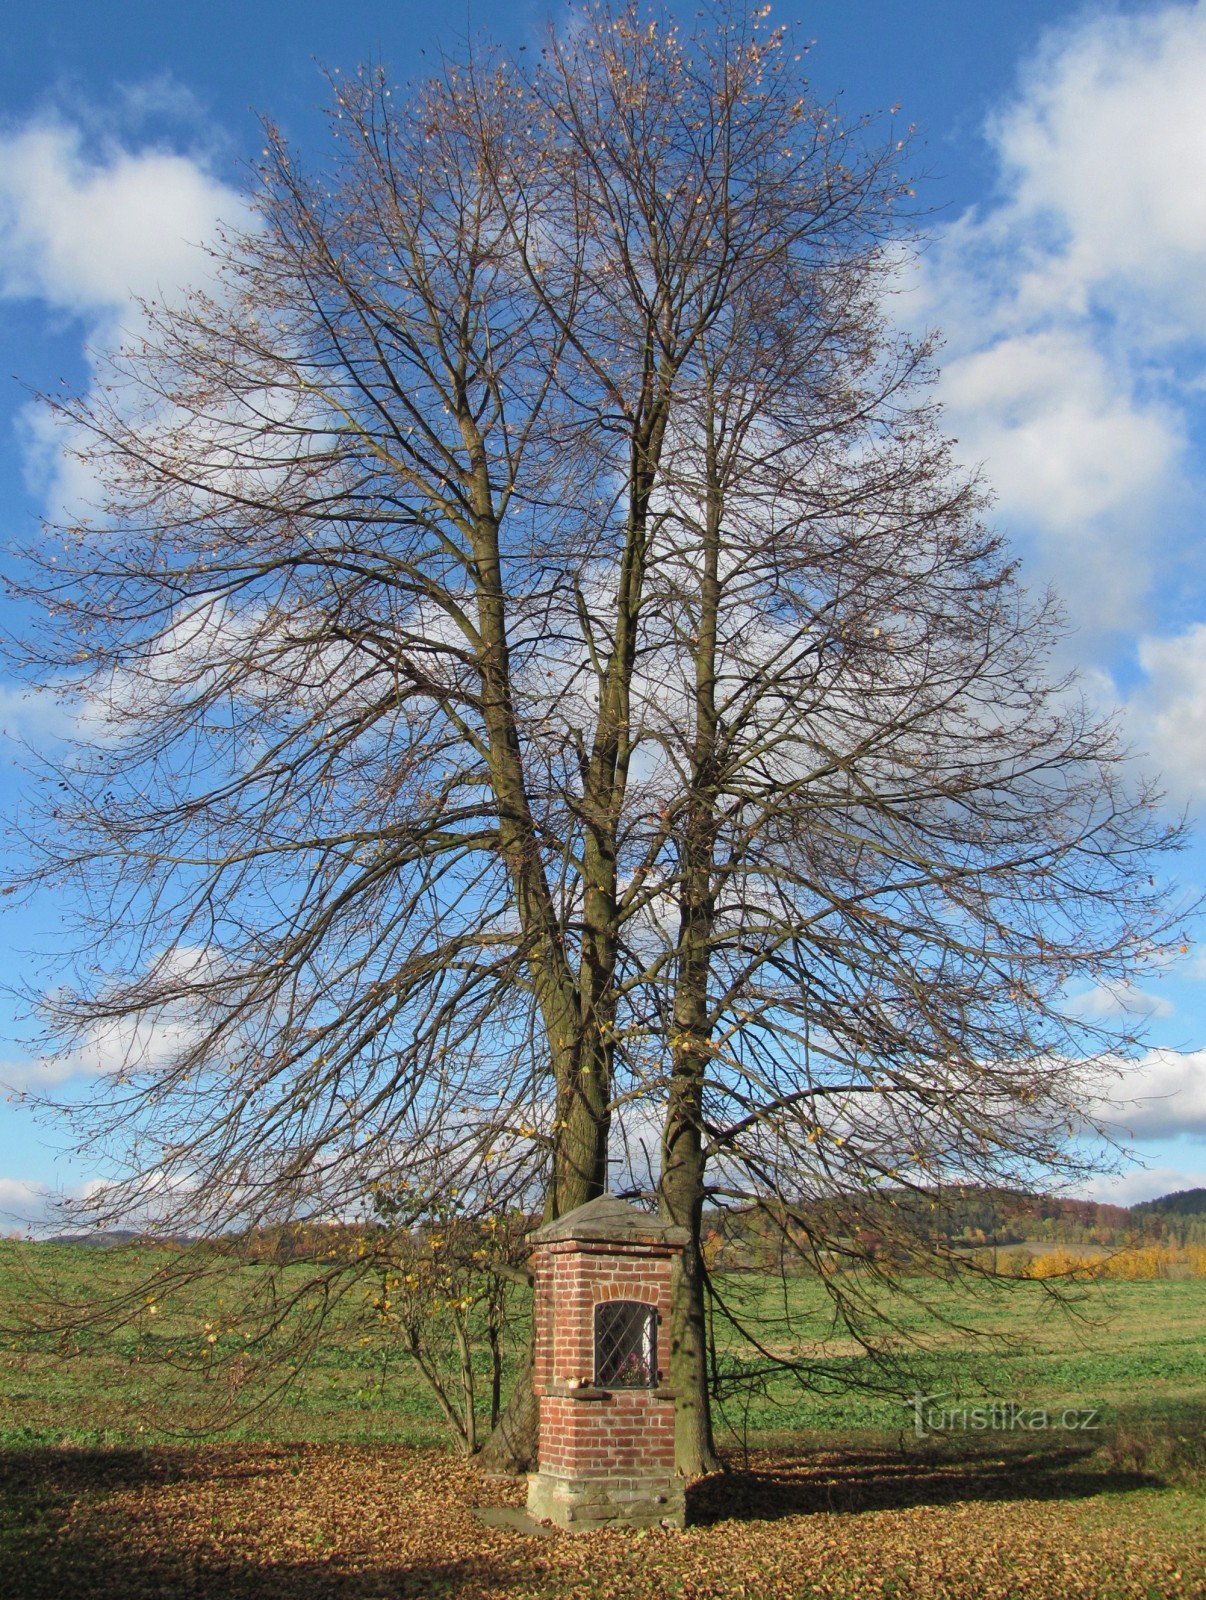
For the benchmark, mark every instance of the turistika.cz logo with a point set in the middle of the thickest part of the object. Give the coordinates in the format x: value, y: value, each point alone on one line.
x: 931, y: 1415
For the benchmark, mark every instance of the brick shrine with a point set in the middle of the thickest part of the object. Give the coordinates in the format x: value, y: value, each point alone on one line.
x: 602, y: 1326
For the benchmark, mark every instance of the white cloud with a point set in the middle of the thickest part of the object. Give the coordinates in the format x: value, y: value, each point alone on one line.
x: 1122, y: 1000
x: 30, y: 1207
x: 55, y: 463
x: 1074, y: 303
x: 1101, y: 195
x: 88, y: 231
x: 91, y: 223
x: 1160, y: 1096
x: 162, y: 95
x: 27, y: 1206
x: 1167, y: 712
x: 1106, y: 147
x: 35, y: 716
x: 131, y: 1044
x: 125, y: 1046
x: 1144, y: 1183
x: 89, y: 227
x: 23, y: 1203
x: 1067, y: 443
x: 1074, y: 457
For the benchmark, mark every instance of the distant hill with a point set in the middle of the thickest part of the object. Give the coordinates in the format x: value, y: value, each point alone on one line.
x: 970, y: 1219
x: 112, y: 1239
x: 966, y: 1219
x: 1181, y: 1203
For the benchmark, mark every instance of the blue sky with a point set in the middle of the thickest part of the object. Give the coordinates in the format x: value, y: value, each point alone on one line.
x: 1062, y: 156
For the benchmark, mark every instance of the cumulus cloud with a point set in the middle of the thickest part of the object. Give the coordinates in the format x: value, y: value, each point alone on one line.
x: 24, y: 1204
x: 55, y: 463
x: 27, y: 1206
x: 87, y: 231
x: 1160, y: 1096
x: 40, y: 1209
x: 118, y: 1047
x: 94, y: 218
x: 1067, y: 442
x: 1122, y: 1000
x: 1144, y: 1183
x: 1073, y: 303
x: 1106, y: 147
x: 34, y: 716
x: 1166, y: 713
x: 92, y: 223
x: 130, y: 1044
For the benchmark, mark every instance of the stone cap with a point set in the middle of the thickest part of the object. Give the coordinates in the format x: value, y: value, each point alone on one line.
x: 609, y: 1220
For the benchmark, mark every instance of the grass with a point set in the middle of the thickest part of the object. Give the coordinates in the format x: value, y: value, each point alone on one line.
x: 1135, y: 1352
x: 161, y: 1379
x: 343, y: 1489
x: 1129, y: 1351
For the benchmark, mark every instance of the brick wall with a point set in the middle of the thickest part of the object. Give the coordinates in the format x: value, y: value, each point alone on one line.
x: 630, y: 1432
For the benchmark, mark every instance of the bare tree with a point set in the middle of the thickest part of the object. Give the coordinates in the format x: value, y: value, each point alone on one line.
x: 871, y: 838
x: 354, y: 639
x: 318, y: 926
x: 535, y: 662
x: 899, y: 841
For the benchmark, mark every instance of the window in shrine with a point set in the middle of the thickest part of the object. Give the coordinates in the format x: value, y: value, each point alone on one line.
x: 625, y: 1345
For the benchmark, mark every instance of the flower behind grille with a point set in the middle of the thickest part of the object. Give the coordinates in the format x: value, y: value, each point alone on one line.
x: 625, y: 1345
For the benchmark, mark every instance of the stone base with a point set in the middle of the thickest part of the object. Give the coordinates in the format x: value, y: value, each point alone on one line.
x: 580, y: 1504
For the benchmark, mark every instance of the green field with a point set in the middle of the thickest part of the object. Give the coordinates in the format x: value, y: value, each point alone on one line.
x: 114, y: 1479
x: 1133, y: 1352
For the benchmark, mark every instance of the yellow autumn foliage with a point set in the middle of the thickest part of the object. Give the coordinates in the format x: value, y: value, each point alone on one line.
x: 1134, y: 1264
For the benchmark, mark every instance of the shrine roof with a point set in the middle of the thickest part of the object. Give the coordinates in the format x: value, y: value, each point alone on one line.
x: 612, y: 1221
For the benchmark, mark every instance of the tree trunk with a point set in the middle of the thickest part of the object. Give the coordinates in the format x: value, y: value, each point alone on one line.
x: 579, y: 1174
x: 577, y: 1010
x: 682, y: 1201
x: 681, y: 1186
x: 511, y: 1448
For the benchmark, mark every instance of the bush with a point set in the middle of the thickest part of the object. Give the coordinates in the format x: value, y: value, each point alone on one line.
x: 1158, y: 1450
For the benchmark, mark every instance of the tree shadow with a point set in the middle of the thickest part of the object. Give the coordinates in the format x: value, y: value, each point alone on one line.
x: 63, y: 1531
x: 71, y: 1471
x: 98, y: 1573
x: 196, y: 1523
x: 788, y: 1484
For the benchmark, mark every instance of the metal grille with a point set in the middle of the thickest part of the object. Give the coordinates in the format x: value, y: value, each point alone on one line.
x: 625, y: 1345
